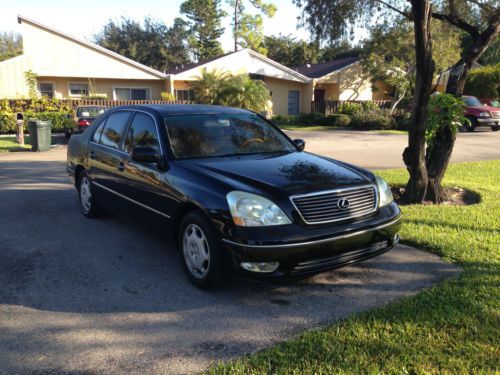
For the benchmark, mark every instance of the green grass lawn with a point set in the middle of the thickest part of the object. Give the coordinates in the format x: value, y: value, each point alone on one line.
x: 307, y: 127
x: 302, y: 127
x: 451, y: 328
x: 9, y: 144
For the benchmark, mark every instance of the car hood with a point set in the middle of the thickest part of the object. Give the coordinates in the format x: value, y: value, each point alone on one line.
x: 293, y: 173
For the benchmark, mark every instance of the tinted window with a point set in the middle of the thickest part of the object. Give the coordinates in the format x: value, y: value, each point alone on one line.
x: 97, y: 134
x: 198, y: 136
x: 142, y: 133
x: 114, y: 129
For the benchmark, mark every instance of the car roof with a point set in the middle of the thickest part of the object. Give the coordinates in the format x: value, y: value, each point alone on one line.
x: 184, y: 109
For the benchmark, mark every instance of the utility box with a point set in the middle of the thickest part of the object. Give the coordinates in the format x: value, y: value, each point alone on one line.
x: 40, y: 134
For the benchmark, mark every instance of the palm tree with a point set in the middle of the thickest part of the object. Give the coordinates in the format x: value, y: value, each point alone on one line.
x: 243, y: 92
x: 208, y: 86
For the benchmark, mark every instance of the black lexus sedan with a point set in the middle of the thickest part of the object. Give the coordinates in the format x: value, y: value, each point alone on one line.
x: 236, y: 195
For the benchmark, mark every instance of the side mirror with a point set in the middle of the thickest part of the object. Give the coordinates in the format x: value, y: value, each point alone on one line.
x: 300, y: 143
x: 145, y: 155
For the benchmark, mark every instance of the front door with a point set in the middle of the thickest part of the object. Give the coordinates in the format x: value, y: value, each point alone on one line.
x: 104, y: 150
x: 140, y: 182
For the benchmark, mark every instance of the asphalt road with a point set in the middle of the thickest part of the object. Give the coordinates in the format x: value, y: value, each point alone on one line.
x: 106, y: 296
x: 381, y: 151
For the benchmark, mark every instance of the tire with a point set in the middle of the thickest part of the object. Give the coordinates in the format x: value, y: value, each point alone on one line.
x: 200, y: 249
x: 68, y: 133
x: 88, y: 205
x: 495, y: 128
x: 473, y: 124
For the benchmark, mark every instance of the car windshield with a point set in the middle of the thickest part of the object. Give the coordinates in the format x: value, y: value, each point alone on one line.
x: 471, y: 101
x: 212, y: 135
x: 90, y: 112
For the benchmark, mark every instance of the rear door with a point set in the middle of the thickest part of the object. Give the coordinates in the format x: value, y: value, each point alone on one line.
x: 105, y: 150
x: 141, y: 182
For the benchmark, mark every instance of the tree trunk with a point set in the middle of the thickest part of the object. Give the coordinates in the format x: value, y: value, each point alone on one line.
x: 414, y: 154
x: 439, y: 157
x: 398, y: 100
x: 236, y: 10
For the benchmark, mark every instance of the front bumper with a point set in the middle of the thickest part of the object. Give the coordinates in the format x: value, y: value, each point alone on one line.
x: 310, y: 256
x: 488, y: 121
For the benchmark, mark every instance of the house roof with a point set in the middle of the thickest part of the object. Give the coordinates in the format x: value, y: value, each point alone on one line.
x: 325, y: 68
x: 187, y: 67
x: 21, y: 19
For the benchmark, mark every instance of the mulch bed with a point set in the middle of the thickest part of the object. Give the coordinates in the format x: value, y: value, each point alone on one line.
x: 455, y: 196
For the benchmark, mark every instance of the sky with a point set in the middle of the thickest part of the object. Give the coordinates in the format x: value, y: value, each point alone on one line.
x: 83, y: 19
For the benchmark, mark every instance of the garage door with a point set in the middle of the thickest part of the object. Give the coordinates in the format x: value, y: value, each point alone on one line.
x: 293, y: 102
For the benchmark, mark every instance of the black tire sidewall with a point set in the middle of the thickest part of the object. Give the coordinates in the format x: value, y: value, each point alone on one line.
x: 215, y: 272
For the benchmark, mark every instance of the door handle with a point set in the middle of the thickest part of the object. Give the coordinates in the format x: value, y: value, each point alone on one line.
x: 92, y: 154
x: 120, y: 166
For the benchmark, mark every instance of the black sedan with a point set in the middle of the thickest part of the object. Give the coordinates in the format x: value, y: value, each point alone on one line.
x: 234, y: 192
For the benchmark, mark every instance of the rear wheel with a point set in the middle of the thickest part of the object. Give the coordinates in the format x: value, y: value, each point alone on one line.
x: 201, y: 253
x: 495, y: 128
x: 88, y: 205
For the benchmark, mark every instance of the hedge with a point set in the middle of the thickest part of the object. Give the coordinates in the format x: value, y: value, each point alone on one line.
x: 484, y: 82
x: 313, y: 119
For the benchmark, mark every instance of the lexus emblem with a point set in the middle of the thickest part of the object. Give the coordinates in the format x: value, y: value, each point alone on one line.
x: 343, y: 203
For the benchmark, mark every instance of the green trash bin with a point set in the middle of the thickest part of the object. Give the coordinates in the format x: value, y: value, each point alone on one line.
x: 40, y: 134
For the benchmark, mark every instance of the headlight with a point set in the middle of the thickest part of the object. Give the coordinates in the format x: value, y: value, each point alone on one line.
x: 485, y: 114
x: 250, y: 210
x: 384, y: 192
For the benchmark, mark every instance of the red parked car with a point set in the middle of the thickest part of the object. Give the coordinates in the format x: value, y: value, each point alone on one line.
x: 480, y: 114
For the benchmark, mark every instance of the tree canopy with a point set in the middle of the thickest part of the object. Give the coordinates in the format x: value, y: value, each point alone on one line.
x: 389, y: 54
x: 151, y: 43
x: 291, y: 52
x: 11, y: 45
x: 248, y: 28
x: 204, y: 23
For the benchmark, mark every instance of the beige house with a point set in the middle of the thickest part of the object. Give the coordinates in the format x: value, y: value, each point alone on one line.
x: 68, y: 67
x: 71, y: 68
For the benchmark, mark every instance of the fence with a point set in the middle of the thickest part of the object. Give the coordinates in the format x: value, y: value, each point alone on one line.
x: 328, y: 107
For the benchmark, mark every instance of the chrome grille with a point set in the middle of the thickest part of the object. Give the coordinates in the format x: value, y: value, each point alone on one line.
x: 495, y: 114
x: 327, y: 207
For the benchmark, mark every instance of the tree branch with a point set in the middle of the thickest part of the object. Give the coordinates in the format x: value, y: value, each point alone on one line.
x: 458, y: 22
x: 402, y: 12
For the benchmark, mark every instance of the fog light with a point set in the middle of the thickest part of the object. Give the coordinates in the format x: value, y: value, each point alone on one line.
x: 265, y: 267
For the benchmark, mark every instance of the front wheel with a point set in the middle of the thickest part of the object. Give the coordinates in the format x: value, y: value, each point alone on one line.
x: 88, y: 205
x: 495, y: 128
x: 201, y: 253
x: 470, y: 127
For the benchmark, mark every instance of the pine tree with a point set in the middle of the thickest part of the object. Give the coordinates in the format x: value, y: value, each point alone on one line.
x: 204, y: 21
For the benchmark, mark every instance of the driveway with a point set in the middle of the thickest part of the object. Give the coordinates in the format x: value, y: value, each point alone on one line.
x: 81, y: 296
x: 380, y: 151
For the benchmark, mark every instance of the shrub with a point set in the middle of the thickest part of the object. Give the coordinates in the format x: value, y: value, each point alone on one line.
x: 372, y: 120
x: 309, y: 118
x: 403, y: 120
x: 7, y: 120
x: 338, y: 119
x: 167, y: 96
x: 349, y: 108
x: 284, y: 119
x: 58, y: 119
x: 484, y: 82
x: 368, y: 105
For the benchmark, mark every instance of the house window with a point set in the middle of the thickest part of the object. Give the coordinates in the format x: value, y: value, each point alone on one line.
x: 128, y: 93
x: 184, y: 94
x: 46, y: 89
x: 78, y: 89
x: 293, y: 102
